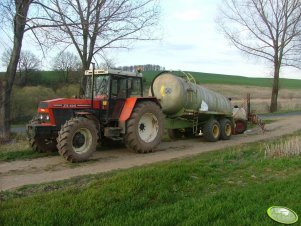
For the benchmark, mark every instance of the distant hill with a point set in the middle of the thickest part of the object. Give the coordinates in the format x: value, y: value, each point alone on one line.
x: 50, y: 78
x: 208, y: 78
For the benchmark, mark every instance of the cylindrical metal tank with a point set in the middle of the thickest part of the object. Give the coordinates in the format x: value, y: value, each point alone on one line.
x: 178, y: 95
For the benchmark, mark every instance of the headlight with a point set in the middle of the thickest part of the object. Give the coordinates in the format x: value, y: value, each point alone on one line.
x: 44, y: 117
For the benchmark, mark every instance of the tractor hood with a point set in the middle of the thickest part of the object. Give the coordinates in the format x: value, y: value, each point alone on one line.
x: 65, y: 103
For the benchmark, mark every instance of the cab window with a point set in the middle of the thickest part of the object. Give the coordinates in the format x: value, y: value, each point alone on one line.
x: 134, y: 87
x: 118, y: 87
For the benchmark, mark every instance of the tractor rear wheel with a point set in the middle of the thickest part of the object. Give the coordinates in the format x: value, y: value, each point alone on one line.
x: 226, y: 129
x: 144, y: 128
x: 211, y: 130
x: 77, y: 139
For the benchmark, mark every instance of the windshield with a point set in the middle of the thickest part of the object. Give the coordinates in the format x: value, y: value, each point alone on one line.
x: 101, y: 86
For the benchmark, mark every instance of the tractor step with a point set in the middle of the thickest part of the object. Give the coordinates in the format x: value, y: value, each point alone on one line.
x: 116, y: 138
x: 112, y: 132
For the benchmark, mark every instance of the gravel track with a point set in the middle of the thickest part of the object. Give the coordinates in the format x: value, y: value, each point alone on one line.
x: 24, y: 172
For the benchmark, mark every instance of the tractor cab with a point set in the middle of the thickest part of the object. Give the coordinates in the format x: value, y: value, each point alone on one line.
x: 113, y: 84
x: 112, y: 88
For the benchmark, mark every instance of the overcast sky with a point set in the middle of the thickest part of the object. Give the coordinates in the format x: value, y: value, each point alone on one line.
x: 190, y: 40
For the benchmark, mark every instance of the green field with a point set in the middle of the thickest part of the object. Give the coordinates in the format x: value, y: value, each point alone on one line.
x: 228, y: 187
x: 52, y: 77
x: 207, y: 78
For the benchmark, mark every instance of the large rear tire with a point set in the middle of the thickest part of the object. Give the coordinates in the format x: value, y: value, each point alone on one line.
x: 211, y: 130
x: 144, y: 128
x: 77, y: 139
x: 226, y: 129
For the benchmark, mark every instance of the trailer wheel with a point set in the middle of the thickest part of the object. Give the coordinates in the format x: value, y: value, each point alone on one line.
x: 174, y: 134
x: 144, y: 128
x: 77, y: 139
x: 240, y: 126
x: 211, y: 130
x: 226, y: 129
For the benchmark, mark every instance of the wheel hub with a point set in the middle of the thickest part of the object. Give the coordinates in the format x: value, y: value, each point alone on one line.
x: 148, y: 127
x: 82, y: 140
x: 228, y: 130
x: 141, y: 127
x: 78, y: 140
x: 215, y: 131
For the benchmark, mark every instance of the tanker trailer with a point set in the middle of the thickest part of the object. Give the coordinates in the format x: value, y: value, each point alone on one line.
x: 191, y: 109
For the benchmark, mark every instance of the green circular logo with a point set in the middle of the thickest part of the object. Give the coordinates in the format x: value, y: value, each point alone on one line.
x: 282, y: 215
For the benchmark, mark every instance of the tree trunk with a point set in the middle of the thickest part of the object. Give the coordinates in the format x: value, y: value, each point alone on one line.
x: 2, y: 87
x: 19, y: 26
x: 83, y: 84
x: 274, y: 98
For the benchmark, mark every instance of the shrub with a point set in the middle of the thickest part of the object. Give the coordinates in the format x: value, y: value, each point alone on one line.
x: 288, y: 147
x: 25, y: 101
x: 67, y: 91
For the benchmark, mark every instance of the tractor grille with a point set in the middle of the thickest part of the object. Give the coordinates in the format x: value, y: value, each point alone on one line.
x: 62, y: 115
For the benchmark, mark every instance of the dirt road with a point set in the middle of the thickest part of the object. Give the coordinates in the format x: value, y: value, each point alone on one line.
x: 18, y: 173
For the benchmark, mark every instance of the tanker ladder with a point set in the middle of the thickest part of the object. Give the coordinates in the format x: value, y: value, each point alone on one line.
x: 189, y: 77
x: 195, y: 122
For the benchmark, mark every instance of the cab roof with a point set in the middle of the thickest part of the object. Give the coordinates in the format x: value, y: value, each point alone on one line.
x: 112, y: 72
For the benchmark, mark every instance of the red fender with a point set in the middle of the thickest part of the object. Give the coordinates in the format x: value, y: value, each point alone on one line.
x: 127, y: 109
x: 130, y: 104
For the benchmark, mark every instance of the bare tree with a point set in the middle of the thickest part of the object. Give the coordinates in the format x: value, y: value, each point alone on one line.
x: 15, y: 11
x: 5, y: 57
x: 16, y: 14
x: 107, y: 63
x: 66, y: 62
x: 267, y: 29
x: 28, y: 62
x: 95, y: 25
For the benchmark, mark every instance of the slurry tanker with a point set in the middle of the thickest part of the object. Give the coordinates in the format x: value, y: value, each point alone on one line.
x: 191, y: 109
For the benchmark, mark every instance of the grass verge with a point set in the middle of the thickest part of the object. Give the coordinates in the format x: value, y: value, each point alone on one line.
x: 19, y: 149
x: 229, y: 187
x: 22, y: 155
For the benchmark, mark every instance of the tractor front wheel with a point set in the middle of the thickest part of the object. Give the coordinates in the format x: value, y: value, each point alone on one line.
x: 42, y: 145
x: 38, y: 144
x: 144, y: 128
x: 77, y: 139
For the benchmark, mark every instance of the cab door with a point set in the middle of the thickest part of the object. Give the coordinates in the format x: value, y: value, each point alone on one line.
x: 118, y: 95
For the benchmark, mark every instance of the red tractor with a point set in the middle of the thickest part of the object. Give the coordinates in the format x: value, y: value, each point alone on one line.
x: 114, y: 109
